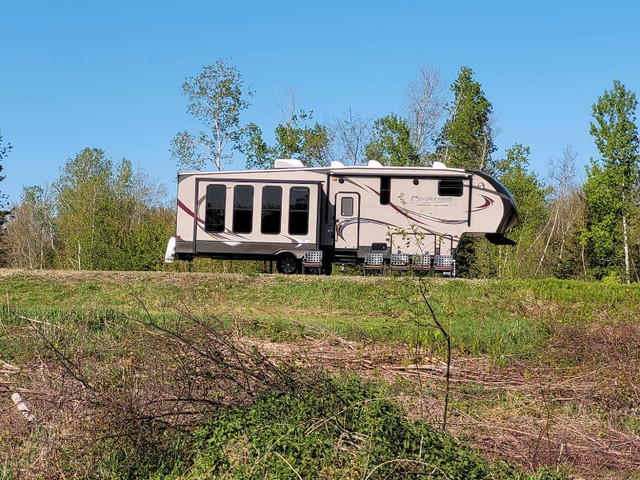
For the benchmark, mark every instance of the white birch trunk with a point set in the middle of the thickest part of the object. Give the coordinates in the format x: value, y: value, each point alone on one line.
x: 625, y: 237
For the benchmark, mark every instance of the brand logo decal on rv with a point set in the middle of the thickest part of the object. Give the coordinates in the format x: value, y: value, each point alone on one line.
x: 431, y: 201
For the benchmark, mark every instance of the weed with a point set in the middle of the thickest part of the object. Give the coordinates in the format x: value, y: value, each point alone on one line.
x: 334, y: 428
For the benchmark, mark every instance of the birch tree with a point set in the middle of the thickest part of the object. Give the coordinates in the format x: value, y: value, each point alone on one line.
x: 612, y: 185
x: 563, y: 208
x: 424, y: 107
x: 216, y: 97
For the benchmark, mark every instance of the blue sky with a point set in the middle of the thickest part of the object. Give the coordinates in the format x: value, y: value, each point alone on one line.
x: 108, y: 74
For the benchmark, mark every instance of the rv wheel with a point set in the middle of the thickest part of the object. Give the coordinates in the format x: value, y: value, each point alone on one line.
x: 287, y: 264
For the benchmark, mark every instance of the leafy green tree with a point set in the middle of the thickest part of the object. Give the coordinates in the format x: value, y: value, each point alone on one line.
x: 144, y: 222
x: 612, y: 188
x: 143, y: 246
x: 296, y: 137
x: 216, y: 97
x: 259, y: 154
x: 466, y: 139
x: 98, y: 215
x: 85, y: 211
x: 527, y: 190
x: 391, y: 142
x: 530, y: 196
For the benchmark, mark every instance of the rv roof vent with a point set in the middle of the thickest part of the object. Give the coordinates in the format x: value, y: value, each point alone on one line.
x: 288, y: 163
x: 374, y: 164
x: 335, y: 164
x: 439, y: 165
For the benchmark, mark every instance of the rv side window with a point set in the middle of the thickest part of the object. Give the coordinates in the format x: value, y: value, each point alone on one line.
x: 385, y: 190
x: 450, y: 187
x: 271, y: 210
x: 347, y: 207
x: 299, y: 211
x: 214, y: 213
x: 242, y: 209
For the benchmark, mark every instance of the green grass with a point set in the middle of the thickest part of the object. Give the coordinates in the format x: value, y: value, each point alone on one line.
x: 494, y: 317
x: 99, y: 317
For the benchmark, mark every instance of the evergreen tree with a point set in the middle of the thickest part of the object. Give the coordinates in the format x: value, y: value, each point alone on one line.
x: 466, y: 139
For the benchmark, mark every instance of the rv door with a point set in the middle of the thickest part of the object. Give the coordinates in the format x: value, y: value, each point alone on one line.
x: 347, y: 208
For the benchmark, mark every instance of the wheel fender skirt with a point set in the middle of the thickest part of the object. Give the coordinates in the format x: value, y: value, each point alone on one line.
x: 499, y: 239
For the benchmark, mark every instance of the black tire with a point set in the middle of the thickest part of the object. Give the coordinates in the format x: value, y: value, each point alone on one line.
x: 288, y: 264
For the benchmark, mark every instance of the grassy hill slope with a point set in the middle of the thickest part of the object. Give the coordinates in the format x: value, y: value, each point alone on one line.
x: 195, y: 375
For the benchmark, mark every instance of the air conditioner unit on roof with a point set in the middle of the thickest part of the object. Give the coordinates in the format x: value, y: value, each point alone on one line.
x: 288, y: 163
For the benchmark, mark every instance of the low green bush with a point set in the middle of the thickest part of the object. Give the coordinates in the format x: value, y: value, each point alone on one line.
x: 337, y: 428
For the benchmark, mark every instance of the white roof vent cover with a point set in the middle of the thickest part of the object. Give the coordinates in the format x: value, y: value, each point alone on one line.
x: 288, y: 163
x: 336, y: 164
x: 374, y: 164
x: 439, y: 165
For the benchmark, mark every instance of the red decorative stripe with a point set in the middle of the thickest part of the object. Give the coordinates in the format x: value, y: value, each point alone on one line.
x: 487, y: 202
x: 188, y: 211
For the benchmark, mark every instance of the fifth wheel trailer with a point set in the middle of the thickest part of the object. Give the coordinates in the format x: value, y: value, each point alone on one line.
x: 347, y: 213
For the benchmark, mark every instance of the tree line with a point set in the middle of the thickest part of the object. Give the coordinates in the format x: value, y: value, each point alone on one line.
x: 103, y: 215
x: 98, y: 215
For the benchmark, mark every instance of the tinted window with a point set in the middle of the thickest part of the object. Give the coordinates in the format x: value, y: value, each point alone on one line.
x: 299, y: 211
x: 214, y: 212
x: 347, y: 207
x: 271, y: 209
x: 450, y: 187
x: 242, y: 209
x: 385, y: 190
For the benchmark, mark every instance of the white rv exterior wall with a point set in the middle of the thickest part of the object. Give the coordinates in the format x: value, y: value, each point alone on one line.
x: 416, y: 220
